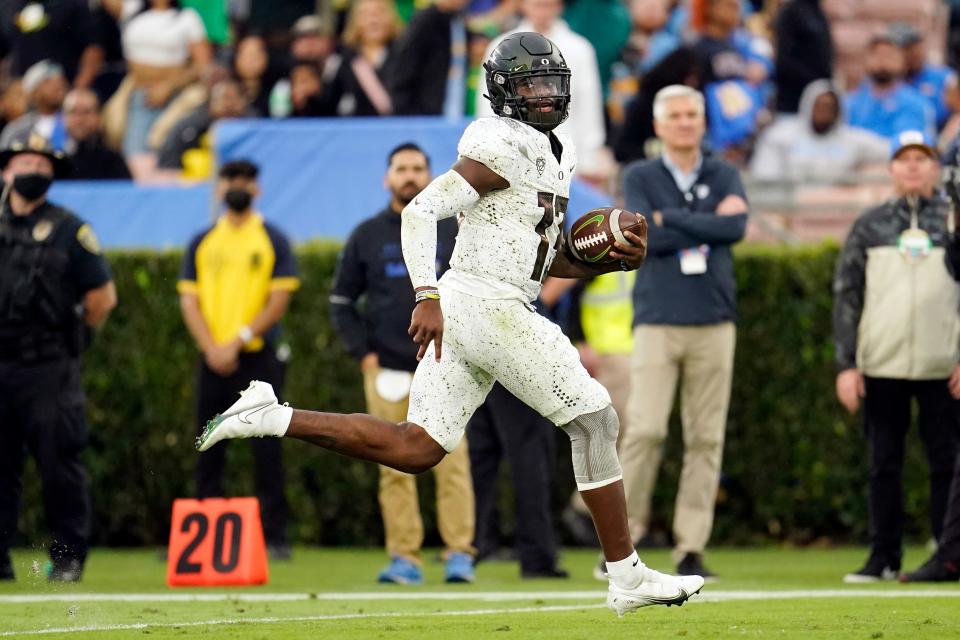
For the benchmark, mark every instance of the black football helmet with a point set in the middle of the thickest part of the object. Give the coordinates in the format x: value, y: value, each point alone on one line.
x: 528, y: 80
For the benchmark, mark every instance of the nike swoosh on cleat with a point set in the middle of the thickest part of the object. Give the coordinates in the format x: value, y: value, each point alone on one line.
x: 244, y: 417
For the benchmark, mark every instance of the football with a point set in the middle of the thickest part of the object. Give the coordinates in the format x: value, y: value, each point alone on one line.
x: 592, y: 235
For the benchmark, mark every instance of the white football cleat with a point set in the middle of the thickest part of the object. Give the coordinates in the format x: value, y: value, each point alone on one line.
x: 656, y: 588
x: 255, y: 415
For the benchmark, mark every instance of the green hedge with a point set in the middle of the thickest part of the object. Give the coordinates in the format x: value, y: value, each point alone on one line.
x: 794, y: 464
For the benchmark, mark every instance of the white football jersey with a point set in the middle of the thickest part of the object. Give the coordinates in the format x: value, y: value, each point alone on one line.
x: 507, y: 241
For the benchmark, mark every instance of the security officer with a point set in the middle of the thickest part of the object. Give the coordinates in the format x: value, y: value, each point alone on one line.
x: 54, y: 284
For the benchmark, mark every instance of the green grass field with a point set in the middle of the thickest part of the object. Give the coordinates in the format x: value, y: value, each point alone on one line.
x: 332, y: 593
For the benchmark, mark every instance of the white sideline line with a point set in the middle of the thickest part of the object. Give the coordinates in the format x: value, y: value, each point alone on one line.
x: 492, y: 596
x: 276, y: 619
x: 711, y: 595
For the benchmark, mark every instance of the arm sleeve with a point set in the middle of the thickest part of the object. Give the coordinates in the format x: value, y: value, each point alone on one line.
x: 187, y: 283
x: 446, y: 196
x: 660, y: 240
x: 89, y: 268
x: 349, y: 283
x: 848, y: 284
x: 709, y: 227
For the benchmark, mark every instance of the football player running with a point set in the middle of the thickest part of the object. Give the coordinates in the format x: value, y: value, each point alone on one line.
x: 476, y: 326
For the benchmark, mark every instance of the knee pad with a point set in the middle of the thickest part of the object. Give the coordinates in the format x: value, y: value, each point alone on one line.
x: 593, y: 444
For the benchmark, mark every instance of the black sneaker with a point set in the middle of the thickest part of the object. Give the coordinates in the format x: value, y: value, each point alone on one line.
x: 554, y: 573
x: 6, y: 567
x: 66, y: 570
x: 877, y: 568
x: 692, y: 565
x: 933, y: 570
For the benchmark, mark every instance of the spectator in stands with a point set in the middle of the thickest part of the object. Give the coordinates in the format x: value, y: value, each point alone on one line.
x: 167, y: 54
x: 716, y: 21
x: 13, y: 101
x: 227, y: 100
x: 308, y: 96
x: 91, y: 159
x: 883, y: 103
x: 312, y: 41
x: 896, y: 335
x: 235, y: 285
x: 935, y: 82
x: 637, y: 139
x: 817, y: 145
x: 585, y: 124
x: 735, y: 67
x: 428, y: 75
x: 357, y: 86
x: 375, y: 333
x: 804, y: 50
x: 252, y: 67
x: 45, y: 86
x: 683, y: 315
x: 63, y: 32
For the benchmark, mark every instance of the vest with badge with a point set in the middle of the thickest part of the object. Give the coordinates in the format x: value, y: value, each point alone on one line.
x: 38, y: 315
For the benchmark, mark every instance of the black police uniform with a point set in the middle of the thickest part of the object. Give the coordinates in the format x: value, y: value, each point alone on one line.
x: 48, y: 260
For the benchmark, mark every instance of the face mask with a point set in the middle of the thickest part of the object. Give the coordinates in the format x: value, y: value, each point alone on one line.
x: 238, y: 199
x: 31, y: 185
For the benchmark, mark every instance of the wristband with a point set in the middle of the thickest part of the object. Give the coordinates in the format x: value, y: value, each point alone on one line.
x: 245, y: 334
x: 427, y: 294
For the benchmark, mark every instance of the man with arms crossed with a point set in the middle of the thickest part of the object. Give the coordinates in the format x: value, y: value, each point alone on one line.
x: 510, y: 184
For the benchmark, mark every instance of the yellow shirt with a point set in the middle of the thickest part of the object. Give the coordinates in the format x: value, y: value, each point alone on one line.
x: 232, y: 269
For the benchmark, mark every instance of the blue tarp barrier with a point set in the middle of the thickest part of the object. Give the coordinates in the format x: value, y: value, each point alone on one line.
x: 319, y: 178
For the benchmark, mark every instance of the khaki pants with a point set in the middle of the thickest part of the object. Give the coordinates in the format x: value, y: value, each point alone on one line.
x: 614, y: 374
x: 403, y: 527
x: 704, y: 355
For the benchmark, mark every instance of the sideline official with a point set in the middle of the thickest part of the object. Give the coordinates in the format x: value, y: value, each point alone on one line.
x: 896, y: 332
x: 54, y: 284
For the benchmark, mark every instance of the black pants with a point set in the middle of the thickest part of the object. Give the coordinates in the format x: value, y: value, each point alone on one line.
x: 886, y: 413
x: 214, y: 394
x: 42, y: 412
x: 503, y: 426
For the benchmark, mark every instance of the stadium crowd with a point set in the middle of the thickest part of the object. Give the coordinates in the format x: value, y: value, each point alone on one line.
x: 163, y: 72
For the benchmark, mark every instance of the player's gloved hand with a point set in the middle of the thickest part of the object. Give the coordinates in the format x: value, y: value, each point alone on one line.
x: 426, y: 325
x: 635, y: 252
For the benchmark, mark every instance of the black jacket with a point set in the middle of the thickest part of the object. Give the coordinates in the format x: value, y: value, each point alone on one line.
x: 804, y: 51
x: 372, y: 296
x: 663, y: 294
x: 92, y: 160
x: 417, y: 75
x: 896, y: 316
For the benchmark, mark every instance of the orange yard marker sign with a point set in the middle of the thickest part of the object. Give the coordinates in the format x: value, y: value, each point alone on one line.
x: 216, y: 541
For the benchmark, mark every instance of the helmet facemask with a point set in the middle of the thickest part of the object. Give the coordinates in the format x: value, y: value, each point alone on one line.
x: 540, y: 98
